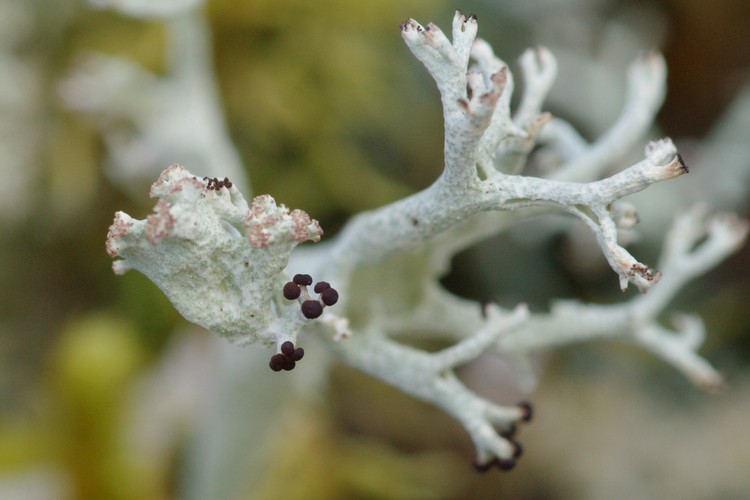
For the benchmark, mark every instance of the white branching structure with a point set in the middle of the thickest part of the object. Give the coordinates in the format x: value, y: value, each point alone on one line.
x: 228, y: 265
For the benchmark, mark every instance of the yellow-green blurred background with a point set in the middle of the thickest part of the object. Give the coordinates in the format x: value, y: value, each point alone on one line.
x: 104, y: 389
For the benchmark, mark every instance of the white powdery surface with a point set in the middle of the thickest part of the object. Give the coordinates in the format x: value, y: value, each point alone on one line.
x: 223, y: 263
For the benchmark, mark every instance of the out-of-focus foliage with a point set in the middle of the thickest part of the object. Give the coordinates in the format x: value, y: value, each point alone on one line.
x: 326, y: 464
x: 330, y: 113
x: 306, y: 87
x: 91, y: 372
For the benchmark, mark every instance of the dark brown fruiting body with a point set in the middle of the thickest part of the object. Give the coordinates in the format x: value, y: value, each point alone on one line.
x: 287, y: 348
x: 506, y: 464
x: 291, y: 290
x: 508, y: 432
x: 683, y: 165
x: 277, y: 362
x: 329, y: 296
x: 287, y: 358
x: 303, y: 279
x: 527, y: 409
x: 517, y: 449
x: 480, y: 467
x: 312, y: 309
x: 215, y: 183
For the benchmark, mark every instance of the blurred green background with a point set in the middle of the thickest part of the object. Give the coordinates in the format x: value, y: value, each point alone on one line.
x: 331, y: 113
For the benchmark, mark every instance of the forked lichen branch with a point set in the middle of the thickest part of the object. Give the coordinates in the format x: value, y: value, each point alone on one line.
x: 227, y: 265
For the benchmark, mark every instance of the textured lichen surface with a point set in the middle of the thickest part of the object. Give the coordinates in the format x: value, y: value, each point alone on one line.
x: 230, y: 267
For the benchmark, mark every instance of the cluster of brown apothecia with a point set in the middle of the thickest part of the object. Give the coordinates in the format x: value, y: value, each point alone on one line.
x: 527, y: 412
x: 311, y: 308
x: 216, y: 183
x: 287, y: 358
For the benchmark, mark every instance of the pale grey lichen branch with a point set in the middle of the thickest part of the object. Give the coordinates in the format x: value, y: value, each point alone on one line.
x: 430, y: 377
x: 226, y: 264
x: 461, y: 192
x: 512, y: 148
x: 684, y: 258
x: 149, y: 120
x: 539, y: 69
x: 646, y: 89
x: 695, y: 245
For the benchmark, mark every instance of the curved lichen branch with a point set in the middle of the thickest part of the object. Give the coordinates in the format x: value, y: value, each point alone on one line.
x: 646, y: 88
x: 539, y: 69
x: 143, y: 116
x: 467, y: 113
x: 373, y: 236
x: 430, y: 377
x: 685, y: 257
x: 223, y: 262
x: 217, y: 259
x: 478, y: 128
x: 446, y: 61
x: 695, y: 244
